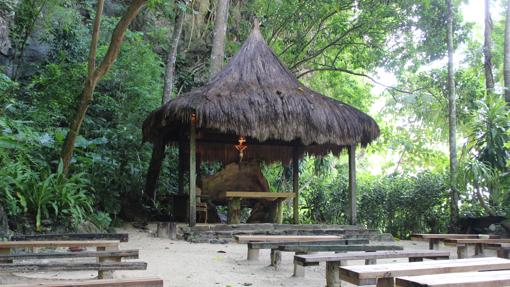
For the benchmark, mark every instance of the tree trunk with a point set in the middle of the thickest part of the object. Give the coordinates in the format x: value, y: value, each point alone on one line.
x: 158, y: 155
x: 94, y: 75
x: 487, y: 50
x: 481, y: 199
x: 506, y: 69
x: 4, y: 226
x: 452, y: 123
x: 220, y: 30
x: 171, y: 57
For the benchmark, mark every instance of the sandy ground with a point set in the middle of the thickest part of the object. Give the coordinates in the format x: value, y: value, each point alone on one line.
x: 181, y: 263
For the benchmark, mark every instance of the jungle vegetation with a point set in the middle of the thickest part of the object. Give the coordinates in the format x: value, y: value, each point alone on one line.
x: 77, y: 78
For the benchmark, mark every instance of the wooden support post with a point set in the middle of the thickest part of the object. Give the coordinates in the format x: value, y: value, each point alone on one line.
x: 504, y: 252
x: 295, y: 183
x: 253, y: 254
x: 434, y: 244
x: 299, y: 270
x: 465, y: 251
x: 385, y: 282
x: 181, y: 166
x: 5, y: 251
x: 279, y: 212
x: 370, y: 261
x: 415, y: 259
x: 333, y: 273
x: 352, y: 186
x: 234, y: 210
x: 107, y: 274
x: 276, y: 258
x: 192, y: 173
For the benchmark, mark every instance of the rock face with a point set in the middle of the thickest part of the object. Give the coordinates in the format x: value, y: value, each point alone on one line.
x: 245, y: 176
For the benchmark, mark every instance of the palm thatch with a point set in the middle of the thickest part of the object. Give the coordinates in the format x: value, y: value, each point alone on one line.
x: 257, y: 97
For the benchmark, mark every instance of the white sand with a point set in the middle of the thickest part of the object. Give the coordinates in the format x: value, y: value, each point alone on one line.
x: 183, y: 264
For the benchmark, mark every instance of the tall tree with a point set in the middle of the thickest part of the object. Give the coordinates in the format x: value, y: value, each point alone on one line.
x: 172, y: 56
x: 452, y: 120
x: 506, y: 68
x: 220, y: 30
x: 95, y: 74
x: 487, y: 50
x: 158, y: 148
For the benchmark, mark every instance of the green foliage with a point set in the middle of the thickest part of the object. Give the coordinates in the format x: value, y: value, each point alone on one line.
x: 405, y: 204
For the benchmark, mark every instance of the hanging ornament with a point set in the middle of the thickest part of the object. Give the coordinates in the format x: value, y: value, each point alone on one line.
x: 241, y: 146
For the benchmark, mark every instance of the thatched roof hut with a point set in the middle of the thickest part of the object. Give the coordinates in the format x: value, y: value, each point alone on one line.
x: 257, y: 98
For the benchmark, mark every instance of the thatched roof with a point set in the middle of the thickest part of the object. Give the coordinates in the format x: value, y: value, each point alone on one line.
x: 257, y: 97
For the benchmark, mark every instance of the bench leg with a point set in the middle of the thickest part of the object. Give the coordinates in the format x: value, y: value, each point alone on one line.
x: 479, y: 250
x: 434, y: 244
x: 107, y: 274
x: 464, y: 251
x: 276, y: 258
x: 415, y: 259
x: 504, y: 252
x: 5, y: 251
x: 370, y: 261
x: 386, y: 282
x: 299, y: 270
x: 253, y: 254
x: 234, y: 210
x: 333, y: 273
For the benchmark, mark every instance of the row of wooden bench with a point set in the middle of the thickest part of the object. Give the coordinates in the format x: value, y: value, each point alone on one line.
x: 335, y: 263
x: 108, y: 257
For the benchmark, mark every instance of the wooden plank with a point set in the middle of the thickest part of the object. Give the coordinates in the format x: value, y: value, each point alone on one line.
x: 426, y: 236
x: 127, y: 254
x: 63, y: 243
x: 72, y: 266
x: 122, y: 237
x: 135, y: 282
x: 464, y: 279
x: 337, y: 248
x: 367, y: 274
x: 256, y: 194
x: 276, y: 244
x: 450, y: 241
x: 314, y: 259
x: 269, y: 238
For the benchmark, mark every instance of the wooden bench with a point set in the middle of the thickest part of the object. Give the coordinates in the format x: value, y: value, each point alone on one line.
x: 304, y: 249
x: 126, y: 254
x: 464, y: 279
x: 334, y: 261
x: 383, y: 274
x: 254, y: 247
x: 234, y: 201
x: 72, y: 266
x: 100, y: 245
x: 136, y: 282
x: 435, y: 239
x: 468, y: 247
x: 122, y: 237
x: 287, y: 238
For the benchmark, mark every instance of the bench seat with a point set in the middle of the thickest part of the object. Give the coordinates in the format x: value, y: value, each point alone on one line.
x: 122, y: 237
x: 273, y: 238
x: 384, y: 274
x: 72, y: 266
x: 135, y: 282
x: 464, y: 279
x: 334, y: 261
x: 126, y: 254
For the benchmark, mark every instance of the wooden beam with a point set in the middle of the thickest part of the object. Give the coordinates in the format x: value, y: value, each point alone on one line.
x: 352, y: 185
x: 192, y: 174
x: 181, y: 166
x: 295, y: 183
